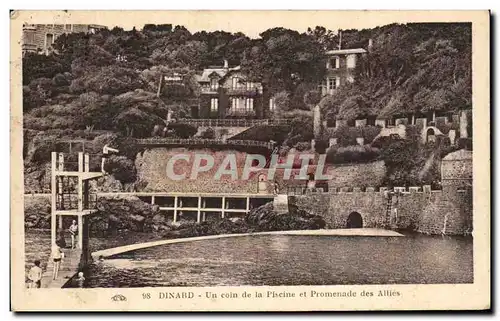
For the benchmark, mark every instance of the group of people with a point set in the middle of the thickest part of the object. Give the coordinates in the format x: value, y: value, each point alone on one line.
x: 35, y: 273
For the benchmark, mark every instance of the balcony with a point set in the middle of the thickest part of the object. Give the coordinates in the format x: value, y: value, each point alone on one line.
x: 248, y: 92
x: 209, y: 90
x: 240, y: 113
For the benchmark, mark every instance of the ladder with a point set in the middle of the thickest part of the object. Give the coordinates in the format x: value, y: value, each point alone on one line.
x: 388, y: 209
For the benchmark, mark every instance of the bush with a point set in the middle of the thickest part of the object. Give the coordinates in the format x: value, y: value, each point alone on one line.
x: 465, y: 143
x: 352, y: 154
x: 37, y: 212
x: 208, y: 133
x: 183, y: 130
x: 412, y: 132
x: 302, y: 146
x: 321, y: 145
x: 346, y: 136
x: 122, y: 168
x: 370, y: 132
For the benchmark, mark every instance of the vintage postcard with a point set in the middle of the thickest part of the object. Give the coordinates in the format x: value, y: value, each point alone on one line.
x: 250, y: 160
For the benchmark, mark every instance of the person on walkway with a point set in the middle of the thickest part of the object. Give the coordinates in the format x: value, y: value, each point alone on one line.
x: 105, y: 155
x: 80, y: 279
x: 57, y: 256
x: 73, y: 230
x: 35, y: 275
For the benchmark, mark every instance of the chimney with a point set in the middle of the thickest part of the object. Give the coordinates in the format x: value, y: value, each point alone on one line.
x: 226, y: 64
x: 340, y: 39
x: 370, y: 44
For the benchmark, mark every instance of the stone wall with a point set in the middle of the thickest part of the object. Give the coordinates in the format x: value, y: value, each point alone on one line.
x: 360, y: 175
x: 436, y: 212
x: 152, y: 165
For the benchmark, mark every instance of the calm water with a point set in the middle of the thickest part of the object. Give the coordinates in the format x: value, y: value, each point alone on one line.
x: 291, y: 260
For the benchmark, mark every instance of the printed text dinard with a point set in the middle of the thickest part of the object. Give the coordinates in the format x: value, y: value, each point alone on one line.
x: 276, y: 294
x: 186, y: 166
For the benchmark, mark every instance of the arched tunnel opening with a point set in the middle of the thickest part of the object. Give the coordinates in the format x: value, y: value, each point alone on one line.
x: 354, y: 220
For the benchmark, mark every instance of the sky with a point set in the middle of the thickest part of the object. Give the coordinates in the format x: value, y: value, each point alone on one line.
x: 252, y: 23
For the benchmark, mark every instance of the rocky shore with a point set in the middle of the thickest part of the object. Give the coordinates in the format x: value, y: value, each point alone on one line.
x: 128, y: 220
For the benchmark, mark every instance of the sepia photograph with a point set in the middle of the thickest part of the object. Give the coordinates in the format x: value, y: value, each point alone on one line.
x: 171, y: 156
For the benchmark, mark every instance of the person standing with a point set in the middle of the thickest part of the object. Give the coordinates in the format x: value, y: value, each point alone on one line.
x: 57, y: 256
x: 80, y: 279
x: 105, y: 155
x: 35, y: 275
x: 73, y: 230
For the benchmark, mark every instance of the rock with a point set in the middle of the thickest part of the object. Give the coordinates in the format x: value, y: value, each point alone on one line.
x: 266, y: 219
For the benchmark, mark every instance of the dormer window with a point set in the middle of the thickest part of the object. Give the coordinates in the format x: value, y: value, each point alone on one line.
x: 214, y: 83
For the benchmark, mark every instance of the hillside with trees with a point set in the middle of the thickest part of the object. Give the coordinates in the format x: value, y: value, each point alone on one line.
x: 105, y: 87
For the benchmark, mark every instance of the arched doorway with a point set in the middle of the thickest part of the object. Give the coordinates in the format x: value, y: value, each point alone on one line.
x: 355, y: 220
x: 431, y: 135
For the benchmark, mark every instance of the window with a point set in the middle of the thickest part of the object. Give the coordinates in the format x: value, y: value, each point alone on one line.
x: 337, y: 62
x: 234, y: 82
x: 331, y: 83
x: 249, y: 104
x: 214, y: 104
x: 49, y: 40
x: 272, y: 104
x: 251, y: 85
x: 351, y: 61
x: 214, y: 83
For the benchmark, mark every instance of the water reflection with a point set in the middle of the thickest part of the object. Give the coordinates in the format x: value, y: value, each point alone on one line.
x: 291, y: 260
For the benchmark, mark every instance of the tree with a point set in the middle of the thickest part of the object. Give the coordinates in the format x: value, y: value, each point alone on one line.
x: 137, y: 112
x: 285, y: 59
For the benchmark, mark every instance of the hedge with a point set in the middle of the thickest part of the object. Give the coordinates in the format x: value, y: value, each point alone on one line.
x: 352, y: 154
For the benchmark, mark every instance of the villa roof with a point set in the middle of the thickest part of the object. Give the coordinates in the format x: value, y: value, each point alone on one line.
x: 459, y: 155
x: 346, y: 51
x: 221, y: 71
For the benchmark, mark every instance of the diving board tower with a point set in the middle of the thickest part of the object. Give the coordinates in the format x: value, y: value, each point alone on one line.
x: 70, y: 194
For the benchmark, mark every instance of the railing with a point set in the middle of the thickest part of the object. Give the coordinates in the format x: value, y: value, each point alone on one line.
x: 240, y: 112
x: 232, y: 122
x: 243, y: 91
x: 209, y: 90
x: 223, y: 122
x: 202, y: 142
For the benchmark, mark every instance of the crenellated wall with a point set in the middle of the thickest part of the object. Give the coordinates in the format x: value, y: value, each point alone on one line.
x: 432, y: 212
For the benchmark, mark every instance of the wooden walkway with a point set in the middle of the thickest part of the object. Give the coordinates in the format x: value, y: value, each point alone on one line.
x: 69, y: 267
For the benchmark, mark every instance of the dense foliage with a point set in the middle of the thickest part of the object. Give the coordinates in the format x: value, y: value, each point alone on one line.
x: 411, y: 69
x: 109, y: 82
